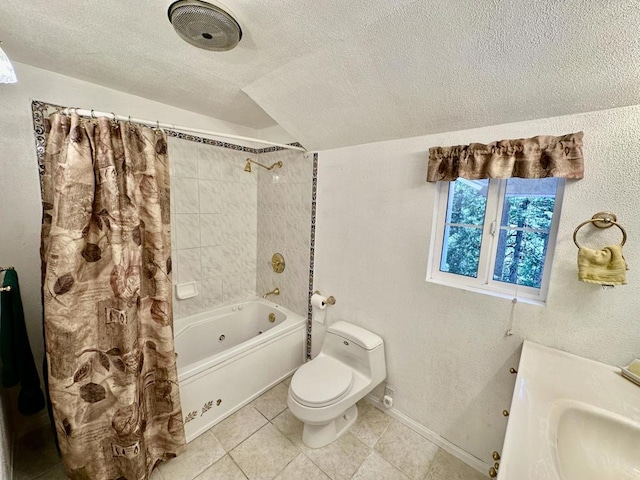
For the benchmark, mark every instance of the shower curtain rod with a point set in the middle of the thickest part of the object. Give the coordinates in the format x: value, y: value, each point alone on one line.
x: 151, y: 123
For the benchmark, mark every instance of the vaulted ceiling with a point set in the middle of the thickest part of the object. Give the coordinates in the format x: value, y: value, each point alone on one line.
x: 336, y: 72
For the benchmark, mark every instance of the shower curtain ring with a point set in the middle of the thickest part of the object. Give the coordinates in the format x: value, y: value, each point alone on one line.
x: 94, y: 119
x: 114, y: 122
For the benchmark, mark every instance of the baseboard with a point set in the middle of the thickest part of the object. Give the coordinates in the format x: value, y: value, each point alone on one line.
x: 432, y: 436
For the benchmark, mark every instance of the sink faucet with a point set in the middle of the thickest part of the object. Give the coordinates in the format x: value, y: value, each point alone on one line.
x: 275, y: 291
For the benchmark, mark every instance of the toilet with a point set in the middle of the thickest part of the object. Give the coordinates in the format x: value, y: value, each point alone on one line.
x: 323, y: 392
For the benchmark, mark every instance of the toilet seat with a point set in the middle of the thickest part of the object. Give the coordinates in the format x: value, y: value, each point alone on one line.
x: 321, y: 382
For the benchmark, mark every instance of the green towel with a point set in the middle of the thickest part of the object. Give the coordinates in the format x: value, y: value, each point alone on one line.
x: 15, y: 351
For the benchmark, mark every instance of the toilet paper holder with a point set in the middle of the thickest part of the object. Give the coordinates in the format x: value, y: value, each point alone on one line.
x: 329, y: 301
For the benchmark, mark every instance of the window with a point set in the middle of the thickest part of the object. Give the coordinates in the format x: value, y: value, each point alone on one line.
x: 496, y: 236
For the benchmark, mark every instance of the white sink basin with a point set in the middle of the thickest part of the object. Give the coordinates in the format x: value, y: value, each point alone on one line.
x: 594, y: 444
x: 570, y: 419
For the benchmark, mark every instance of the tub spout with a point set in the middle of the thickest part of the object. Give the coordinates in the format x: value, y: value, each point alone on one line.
x: 275, y: 291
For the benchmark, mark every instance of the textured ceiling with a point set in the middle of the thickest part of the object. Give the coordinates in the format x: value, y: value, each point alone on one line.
x: 337, y: 72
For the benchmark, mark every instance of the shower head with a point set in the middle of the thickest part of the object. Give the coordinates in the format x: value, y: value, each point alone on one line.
x: 247, y: 167
x: 204, y: 25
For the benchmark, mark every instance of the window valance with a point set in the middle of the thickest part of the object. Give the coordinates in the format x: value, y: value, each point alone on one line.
x: 537, y: 157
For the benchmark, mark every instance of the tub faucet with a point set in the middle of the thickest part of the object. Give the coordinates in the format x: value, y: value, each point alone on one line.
x: 275, y: 291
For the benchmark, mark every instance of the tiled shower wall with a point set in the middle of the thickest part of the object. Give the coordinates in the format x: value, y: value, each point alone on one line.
x: 214, y: 224
x: 227, y: 223
x: 284, y: 226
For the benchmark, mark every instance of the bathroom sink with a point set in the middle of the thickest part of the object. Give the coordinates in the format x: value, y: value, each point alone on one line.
x: 595, y: 444
x: 571, y: 418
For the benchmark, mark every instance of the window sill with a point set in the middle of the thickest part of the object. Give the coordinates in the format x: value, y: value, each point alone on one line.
x: 487, y: 291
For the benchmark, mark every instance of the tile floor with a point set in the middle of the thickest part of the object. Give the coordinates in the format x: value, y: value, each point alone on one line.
x: 263, y: 440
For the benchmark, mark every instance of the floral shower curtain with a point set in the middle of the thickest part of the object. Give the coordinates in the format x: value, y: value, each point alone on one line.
x: 107, y: 298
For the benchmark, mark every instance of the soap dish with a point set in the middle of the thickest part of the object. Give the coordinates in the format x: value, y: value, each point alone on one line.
x: 628, y: 374
x: 186, y: 290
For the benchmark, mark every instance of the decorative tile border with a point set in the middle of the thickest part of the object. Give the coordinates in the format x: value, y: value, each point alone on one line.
x: 217, y: 143
x: 312, y: 243
x: 41, y: 111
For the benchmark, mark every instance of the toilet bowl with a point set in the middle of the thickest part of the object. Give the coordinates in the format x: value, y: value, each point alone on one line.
x: 323, y: 392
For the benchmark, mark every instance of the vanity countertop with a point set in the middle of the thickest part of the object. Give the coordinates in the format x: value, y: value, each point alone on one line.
x: 546, y: 379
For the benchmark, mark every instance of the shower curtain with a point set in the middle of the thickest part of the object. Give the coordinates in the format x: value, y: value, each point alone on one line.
x: 107, y: 298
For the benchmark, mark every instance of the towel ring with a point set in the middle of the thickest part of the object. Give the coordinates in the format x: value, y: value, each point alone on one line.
x: 601, y: 220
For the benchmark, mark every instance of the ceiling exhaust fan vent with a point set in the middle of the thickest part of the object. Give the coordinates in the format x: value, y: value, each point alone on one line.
x: 204, y: 25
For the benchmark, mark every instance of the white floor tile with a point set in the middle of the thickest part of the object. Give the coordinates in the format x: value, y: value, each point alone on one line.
x: 273, y: 402
x: 302, y: 468
x: 340, y: 459
x: 406, y: 450
x: 201, y: 453
x: 377, y: 468
x: 238, y: 427
x: 263, y: 455
x: 223, y: 469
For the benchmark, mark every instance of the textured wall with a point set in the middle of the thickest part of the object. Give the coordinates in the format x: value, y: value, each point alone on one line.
x: 214, y: 224
x: 284, y: 226
x: 447, y: 353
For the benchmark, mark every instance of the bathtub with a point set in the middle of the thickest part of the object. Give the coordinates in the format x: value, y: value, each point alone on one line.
x: 228, y: 356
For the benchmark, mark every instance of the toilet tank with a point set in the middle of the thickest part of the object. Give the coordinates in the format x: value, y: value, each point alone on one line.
x: 357, y: 347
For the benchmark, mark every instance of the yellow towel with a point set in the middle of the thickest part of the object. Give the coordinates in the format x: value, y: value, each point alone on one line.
x: 606, y: 266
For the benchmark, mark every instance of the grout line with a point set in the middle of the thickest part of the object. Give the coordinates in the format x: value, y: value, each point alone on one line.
x: 366, y: 456
x: 231, y: 457
x: 251, y: 434
x: 368, y: 398
x: 241, y: 471
x: 42, y: 474
x: 348, y: 432
x: 433, y: 437
x: 263, y: 415
x: 319, y: 467
x: 357, y: 468
x: 371, y: 452
x: 290, y: 461
x: 385, y: 430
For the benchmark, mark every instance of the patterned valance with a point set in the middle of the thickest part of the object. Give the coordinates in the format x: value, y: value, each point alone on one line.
x: 537, y: 157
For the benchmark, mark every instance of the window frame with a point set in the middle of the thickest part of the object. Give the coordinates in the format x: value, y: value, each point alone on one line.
x: 484, y: 282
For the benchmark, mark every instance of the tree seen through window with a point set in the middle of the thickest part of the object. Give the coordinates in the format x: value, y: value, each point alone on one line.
x: 523, y: 233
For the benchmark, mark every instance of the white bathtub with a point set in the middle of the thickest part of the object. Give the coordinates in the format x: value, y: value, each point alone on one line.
x: 230, y: 355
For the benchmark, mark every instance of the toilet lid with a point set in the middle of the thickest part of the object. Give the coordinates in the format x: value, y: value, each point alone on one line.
x: 321, y: 382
